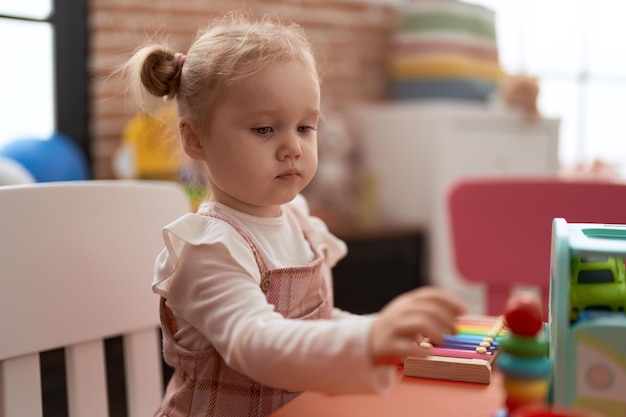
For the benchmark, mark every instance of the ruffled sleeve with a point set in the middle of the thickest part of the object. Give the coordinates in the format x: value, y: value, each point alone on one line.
x: 195, y: 230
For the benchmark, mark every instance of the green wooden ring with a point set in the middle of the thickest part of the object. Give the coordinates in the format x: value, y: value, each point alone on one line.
x: 527, y: 347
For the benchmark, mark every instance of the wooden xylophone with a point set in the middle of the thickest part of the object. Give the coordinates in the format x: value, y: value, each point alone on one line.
x: 465, y: 356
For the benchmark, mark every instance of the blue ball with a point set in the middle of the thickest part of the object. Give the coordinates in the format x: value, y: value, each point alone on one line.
x: 57, y: 158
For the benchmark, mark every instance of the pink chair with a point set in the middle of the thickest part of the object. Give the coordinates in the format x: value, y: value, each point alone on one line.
x: 501, y: 227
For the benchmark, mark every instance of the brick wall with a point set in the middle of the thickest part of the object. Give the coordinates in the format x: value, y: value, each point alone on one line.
x: 351, y: 36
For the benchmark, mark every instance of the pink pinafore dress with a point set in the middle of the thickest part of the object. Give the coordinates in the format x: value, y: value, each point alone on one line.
x: 202, y: 384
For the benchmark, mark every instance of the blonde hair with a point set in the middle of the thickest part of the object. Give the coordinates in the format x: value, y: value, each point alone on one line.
x: 230, y: 48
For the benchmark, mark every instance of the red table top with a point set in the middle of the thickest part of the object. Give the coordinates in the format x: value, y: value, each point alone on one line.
x: 410, y: 396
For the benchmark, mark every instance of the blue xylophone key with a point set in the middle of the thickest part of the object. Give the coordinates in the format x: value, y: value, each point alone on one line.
x: 452, y: 342
x: 470, y: 339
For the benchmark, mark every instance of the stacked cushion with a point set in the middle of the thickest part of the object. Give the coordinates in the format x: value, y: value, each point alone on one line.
x: 445, y: 49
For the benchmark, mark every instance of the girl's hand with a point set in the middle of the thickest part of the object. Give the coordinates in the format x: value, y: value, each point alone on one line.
x: 423, y: 312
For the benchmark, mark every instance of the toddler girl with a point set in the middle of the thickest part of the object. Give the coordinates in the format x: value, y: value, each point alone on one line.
x: 245, y: 282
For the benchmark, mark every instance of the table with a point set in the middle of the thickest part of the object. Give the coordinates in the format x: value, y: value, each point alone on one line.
x: 410, y: 396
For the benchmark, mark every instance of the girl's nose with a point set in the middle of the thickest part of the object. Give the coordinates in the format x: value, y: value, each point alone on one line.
x: 290, y: 147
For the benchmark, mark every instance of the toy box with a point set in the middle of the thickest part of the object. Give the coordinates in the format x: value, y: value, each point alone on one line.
x: 587, y: 324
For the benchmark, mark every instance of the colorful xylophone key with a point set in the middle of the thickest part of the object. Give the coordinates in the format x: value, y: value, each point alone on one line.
x: 466, y: 355
x: 477, y: 338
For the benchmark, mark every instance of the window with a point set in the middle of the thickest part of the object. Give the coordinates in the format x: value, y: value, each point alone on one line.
x: 44, y: 69
x: 577, y: 51
x: 27, y: 70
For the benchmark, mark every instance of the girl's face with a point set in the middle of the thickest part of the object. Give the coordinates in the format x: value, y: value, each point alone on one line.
x: 261, y: 145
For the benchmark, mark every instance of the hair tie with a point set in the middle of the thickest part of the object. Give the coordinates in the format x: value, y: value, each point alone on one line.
x: 179, y: 59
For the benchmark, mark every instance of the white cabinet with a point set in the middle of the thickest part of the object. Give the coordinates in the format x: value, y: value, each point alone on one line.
x: 416, y: 150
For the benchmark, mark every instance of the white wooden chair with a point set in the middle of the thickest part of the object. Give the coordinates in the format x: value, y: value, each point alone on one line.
x: 76, y: 264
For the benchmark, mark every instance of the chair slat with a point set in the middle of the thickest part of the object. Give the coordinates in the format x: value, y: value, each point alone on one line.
x: 20, y: 387
x: 86, y: 380
x: 144, y: 379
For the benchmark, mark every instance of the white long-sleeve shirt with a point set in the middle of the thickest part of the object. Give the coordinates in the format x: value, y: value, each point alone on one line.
x: 209, y: 276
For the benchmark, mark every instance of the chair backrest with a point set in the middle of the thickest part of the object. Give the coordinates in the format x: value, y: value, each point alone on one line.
x: 501, y: 227
x: 76, y: 263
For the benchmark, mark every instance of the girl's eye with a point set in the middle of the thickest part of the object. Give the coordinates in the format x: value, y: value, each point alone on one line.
x: 305, y: 129
x: 263, y: 130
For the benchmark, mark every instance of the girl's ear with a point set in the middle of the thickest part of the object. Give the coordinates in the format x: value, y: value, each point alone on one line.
x: 190, y: 138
